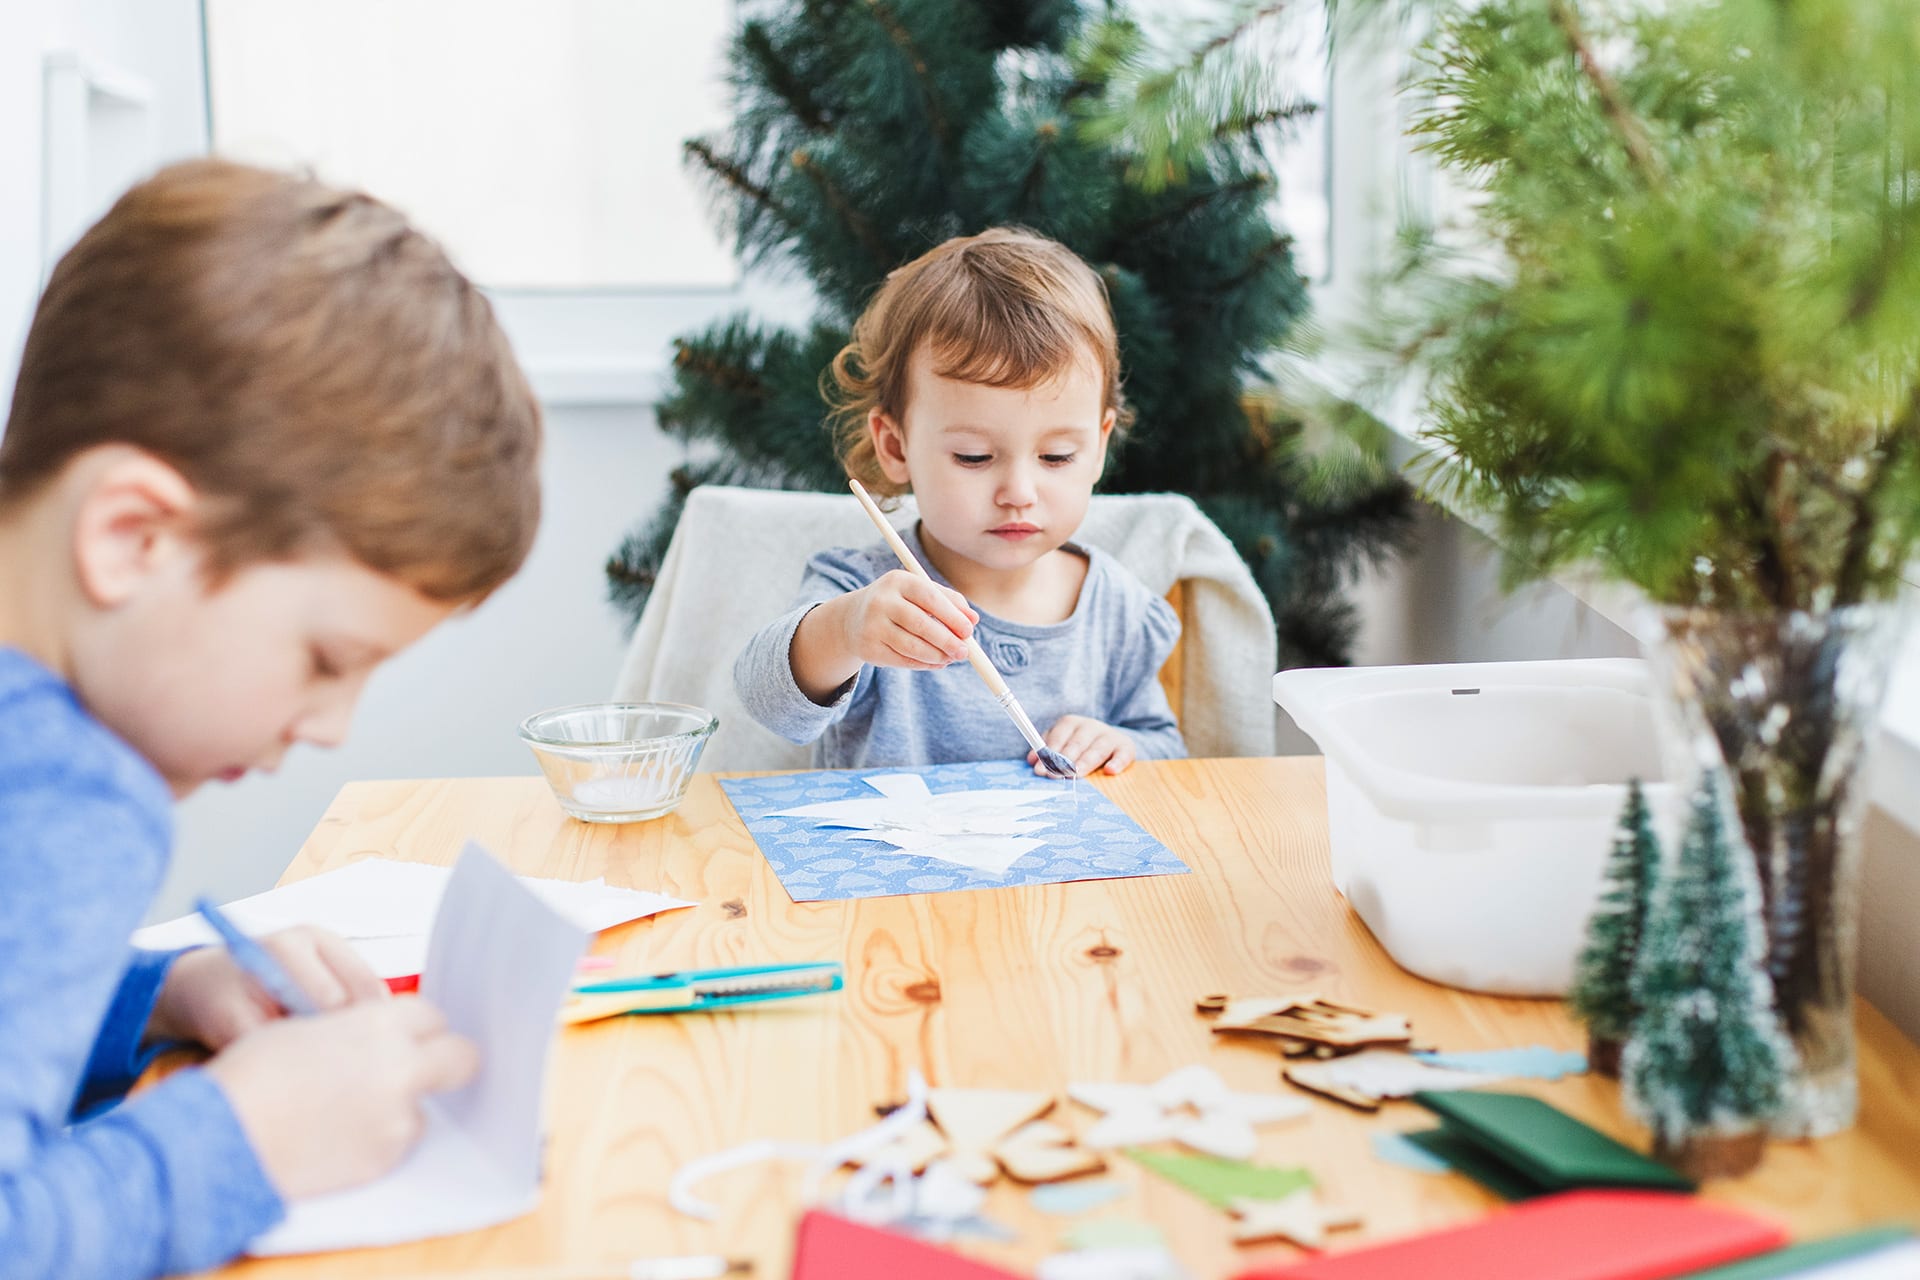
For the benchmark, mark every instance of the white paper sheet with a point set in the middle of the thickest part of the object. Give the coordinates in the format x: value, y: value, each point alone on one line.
x: 987, y: 830
x: 1895, y: 1262
x: 385, y: 908
x: 500, y: 964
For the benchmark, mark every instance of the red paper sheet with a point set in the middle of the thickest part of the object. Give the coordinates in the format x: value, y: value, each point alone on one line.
x: 832, y: 1248
x: 1579, y: 1235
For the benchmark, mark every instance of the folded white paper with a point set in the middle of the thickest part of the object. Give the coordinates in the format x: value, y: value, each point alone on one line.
x: 385, y: 908
x: 500, y: 964
x: 988, y: 829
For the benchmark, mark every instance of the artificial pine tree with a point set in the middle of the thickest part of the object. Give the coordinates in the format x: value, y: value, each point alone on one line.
x: 1602, y: 993
x: 1707, y: 1062
x: 867, y: 131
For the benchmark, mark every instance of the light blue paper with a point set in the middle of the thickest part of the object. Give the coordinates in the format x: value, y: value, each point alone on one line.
x: 1085, y: 835
x: 1532, y: 1061
x: 1070, y: 1198
x: 1395, y: 1149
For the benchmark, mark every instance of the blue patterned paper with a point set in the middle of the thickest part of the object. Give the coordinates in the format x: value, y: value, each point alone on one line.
x: 1089, y: 838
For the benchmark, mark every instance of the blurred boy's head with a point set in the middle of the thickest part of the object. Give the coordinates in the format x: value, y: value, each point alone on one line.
x: 264, y: 434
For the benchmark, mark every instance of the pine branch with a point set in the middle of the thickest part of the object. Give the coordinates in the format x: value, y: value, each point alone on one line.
x: 1173, y: 213
x: 903, y: 40
x: 1231, y: 34
x: 720, y: 373
x: 774, y: 71
x: 736, y: 178
x: 856, y: 222
x: 1242, y: 125
x: 1633, y: 134
x: 1854, y: 562
x: 1280, y: 247
x: 1048, y: 133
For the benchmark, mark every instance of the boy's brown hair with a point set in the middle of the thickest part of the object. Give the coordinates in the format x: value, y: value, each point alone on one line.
x: 313, y: 365
x: 1005, y: 308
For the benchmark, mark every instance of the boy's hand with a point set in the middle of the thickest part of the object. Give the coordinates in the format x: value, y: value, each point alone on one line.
x: 1088, y: 743
x: 209, y: 999
x: 902, y: 620
x: 333, y: 1100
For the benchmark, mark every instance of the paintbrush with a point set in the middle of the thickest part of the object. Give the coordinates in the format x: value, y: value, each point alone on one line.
x: 1050, y: 760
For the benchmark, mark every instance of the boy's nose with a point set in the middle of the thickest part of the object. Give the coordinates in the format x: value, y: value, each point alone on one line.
x: 326, y: 725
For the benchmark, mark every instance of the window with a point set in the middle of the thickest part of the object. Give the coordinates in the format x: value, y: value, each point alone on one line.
x: 538, y: 139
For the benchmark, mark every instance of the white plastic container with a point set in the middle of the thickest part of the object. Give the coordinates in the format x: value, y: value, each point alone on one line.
x: 1471, y: 806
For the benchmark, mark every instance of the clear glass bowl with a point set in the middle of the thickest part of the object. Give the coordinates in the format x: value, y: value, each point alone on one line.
x: 618, y: 761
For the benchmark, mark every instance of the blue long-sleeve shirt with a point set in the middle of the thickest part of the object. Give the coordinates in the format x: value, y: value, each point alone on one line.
x: 165, y: 1181
x: 1103, y: 661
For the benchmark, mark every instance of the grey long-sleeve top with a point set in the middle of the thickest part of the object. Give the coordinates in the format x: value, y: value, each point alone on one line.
x: 1102, y: 662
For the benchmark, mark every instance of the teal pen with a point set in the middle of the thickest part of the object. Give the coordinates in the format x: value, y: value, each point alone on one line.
x: 257, y: 962
x: 696, y: 990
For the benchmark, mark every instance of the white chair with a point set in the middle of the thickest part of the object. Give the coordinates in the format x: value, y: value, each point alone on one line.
x: 736, y: 560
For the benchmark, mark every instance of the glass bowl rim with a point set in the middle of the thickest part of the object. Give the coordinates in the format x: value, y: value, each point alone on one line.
x: 528, y: 735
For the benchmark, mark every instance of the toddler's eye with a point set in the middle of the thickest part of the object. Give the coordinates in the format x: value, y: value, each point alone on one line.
x: 973, y: 459
x: 1058, y: 459
x: 324, y: 668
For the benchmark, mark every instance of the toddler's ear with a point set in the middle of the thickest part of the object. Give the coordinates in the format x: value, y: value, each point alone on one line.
x: 889, y: 446
x: 131, y: 520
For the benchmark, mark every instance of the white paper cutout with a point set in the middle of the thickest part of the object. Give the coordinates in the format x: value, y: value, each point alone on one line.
x: 986, y: 830
x: 1386, y: 1073
x: 385, y: 908
x: 478, y: 1162
x: 1193, y: 1106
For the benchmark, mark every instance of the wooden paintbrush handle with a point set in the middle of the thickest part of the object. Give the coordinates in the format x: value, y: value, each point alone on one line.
x: 975, y: 654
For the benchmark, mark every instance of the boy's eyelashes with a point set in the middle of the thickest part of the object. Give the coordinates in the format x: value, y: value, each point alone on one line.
x: 324, y: 667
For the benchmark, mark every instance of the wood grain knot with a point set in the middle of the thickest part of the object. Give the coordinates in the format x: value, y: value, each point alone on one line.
x: 1103, y: 952
x: 734, y: 908
x: 926, y: 992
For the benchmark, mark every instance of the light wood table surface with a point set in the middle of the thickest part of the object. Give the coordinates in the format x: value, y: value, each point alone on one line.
x: 1024, y: 988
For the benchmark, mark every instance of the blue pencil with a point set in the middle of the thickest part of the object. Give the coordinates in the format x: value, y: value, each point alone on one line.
x: 256, y: 961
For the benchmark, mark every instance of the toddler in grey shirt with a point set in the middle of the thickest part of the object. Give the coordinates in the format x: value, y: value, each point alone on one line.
x: 984, y: 378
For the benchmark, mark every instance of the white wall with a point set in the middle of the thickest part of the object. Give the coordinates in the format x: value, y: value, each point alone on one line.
x: 155, y: 42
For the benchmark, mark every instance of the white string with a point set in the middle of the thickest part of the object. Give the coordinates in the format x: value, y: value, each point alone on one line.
x: 823, y: 1161
x: 680, y: 1190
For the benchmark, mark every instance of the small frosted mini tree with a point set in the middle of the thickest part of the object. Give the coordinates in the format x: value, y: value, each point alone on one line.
x: 1706, y: 1064
x: 1602, y: 993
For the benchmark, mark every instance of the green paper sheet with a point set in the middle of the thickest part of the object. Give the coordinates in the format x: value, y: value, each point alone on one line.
x: 1545, y: 1145
x: 1464, y: 1156
x: 1220, y: 1182
x: 1114, y: 1233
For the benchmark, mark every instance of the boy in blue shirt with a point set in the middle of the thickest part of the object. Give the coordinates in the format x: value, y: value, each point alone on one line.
x: 264, y: 436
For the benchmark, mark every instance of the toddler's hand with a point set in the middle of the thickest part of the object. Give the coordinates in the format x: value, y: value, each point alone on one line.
x: 1088, y: 743
x: 208, y: 998
x: 902, y: 620
x: 333, y: 1100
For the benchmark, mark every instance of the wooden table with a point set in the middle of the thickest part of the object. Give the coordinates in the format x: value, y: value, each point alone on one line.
x: 1028, y: 988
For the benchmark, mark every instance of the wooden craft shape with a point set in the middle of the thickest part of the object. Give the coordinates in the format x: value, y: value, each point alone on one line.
x: 1300, y: 1218
x: 975, y: 1120
x: 1312, y: 1019
x: 1044, y: 1152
